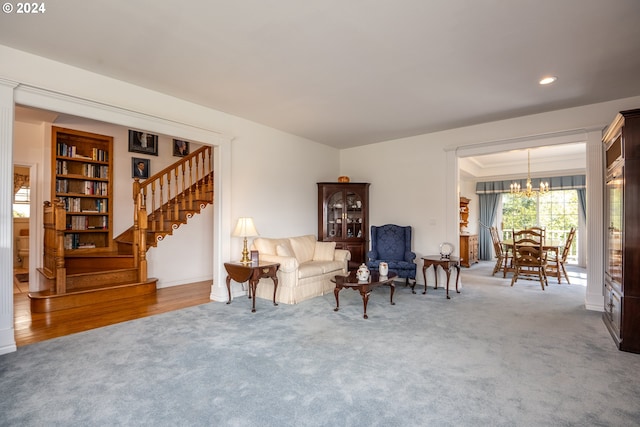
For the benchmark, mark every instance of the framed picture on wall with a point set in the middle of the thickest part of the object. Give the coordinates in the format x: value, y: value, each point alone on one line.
x: 180, y: 148
x: 139, y: 168
x: 143, y: 142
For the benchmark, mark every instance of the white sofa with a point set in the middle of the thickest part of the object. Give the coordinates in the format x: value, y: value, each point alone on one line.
x: 306, y: 267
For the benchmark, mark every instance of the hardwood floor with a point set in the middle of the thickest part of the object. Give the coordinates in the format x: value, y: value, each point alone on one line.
x: 31, y: 328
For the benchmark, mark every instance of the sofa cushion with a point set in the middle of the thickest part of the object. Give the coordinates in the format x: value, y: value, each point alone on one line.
x: 303, y: 247
x: 324, y: 251
x: 332, y: 266
x: 310, y: 269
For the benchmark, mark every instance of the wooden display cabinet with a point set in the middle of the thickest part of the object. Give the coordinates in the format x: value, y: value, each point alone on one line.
x: 468, y: 249
x: 464, y: 214
x: 621, y: 142
x: 343, y: 217
x: 468, y: 242
x: 82, y: 179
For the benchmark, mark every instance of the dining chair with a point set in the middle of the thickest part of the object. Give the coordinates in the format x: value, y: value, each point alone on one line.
x: 556, y: 263
x: 529, y: 258
x: 501, y: 253
x: 539, y: 230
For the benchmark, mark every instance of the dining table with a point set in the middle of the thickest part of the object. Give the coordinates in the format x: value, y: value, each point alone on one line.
x: 548, y: 247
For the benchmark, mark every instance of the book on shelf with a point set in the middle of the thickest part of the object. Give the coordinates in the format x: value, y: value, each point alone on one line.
x: 71, y: 204
x: 61, y: 167
x: 62, y: 186
x: 99, y: 155
x: 95, y: 171
x: 65, y: 150
x: 93, y: 188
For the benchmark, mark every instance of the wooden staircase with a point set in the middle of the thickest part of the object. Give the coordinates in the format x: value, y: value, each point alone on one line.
x: 173, y: 196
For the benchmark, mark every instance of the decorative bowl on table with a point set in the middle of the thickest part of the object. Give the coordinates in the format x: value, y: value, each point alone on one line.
x: 446, y: 249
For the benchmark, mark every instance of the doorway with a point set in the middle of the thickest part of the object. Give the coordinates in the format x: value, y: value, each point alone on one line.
x: 22, y: 208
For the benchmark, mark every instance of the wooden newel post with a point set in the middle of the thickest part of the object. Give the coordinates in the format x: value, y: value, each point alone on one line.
x: 140, y: 226
x: 136, y: 225
x: 60, y: 221
x: 142, y: 244
x: 139, y: 231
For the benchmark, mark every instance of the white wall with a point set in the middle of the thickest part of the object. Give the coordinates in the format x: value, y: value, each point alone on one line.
x: 407, y: 187
x: 274, y: 182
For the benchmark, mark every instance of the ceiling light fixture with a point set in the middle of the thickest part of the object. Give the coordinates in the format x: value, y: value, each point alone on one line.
x: 548, y: 80
x: 529, y: 191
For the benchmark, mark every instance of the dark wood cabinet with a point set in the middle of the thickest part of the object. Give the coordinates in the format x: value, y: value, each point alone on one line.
x: 622, y: 230
x: 343, y: 217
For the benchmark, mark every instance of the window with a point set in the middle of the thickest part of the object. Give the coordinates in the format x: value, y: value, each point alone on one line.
x: 21, y: 201
x: 557, y: 211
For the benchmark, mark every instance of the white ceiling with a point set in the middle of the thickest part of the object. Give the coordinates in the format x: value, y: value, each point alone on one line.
x: 545, y: 161
x: 348, y: 73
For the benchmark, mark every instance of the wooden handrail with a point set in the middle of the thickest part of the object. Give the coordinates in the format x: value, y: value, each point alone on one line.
x: 169, y: 196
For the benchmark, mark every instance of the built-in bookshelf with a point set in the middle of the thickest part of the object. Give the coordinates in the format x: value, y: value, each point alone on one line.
x: 82, y: 181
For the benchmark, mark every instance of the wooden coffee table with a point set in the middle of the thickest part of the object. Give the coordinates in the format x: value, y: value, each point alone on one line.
x: 365, y: 288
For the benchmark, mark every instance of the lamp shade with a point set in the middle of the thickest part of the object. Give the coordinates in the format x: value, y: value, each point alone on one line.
x: 245, y: 228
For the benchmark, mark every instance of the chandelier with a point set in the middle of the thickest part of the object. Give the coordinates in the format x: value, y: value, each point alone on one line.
x: 529, y: 191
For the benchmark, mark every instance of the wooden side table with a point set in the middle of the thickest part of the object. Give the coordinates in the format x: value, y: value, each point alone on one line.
x: 252, y: 272
x: 446, y: 264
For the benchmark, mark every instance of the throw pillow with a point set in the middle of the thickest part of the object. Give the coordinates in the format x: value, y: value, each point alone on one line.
x: 282, y: 250
x: 324, y: 251
x: 303, y: 247
x: 264, y: 246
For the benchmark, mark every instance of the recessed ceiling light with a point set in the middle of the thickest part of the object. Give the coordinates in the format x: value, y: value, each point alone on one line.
x: 548, y: 80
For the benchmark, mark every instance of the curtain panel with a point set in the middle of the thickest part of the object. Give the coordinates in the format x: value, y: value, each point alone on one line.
x: 19, y: 181
x: 574, y: 182
x: 488, y: 206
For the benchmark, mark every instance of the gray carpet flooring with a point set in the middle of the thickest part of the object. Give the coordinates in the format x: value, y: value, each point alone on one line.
x: 493, y: 355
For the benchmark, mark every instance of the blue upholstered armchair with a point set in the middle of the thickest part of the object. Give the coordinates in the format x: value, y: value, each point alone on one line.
x: 392, y: 244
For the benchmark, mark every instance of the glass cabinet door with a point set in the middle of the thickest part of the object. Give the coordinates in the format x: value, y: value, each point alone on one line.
x: 615, y: 207
x: 354, y: 215
x: 335, y: 214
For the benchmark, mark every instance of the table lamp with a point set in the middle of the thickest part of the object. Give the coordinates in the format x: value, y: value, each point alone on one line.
x: 245, y: 228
